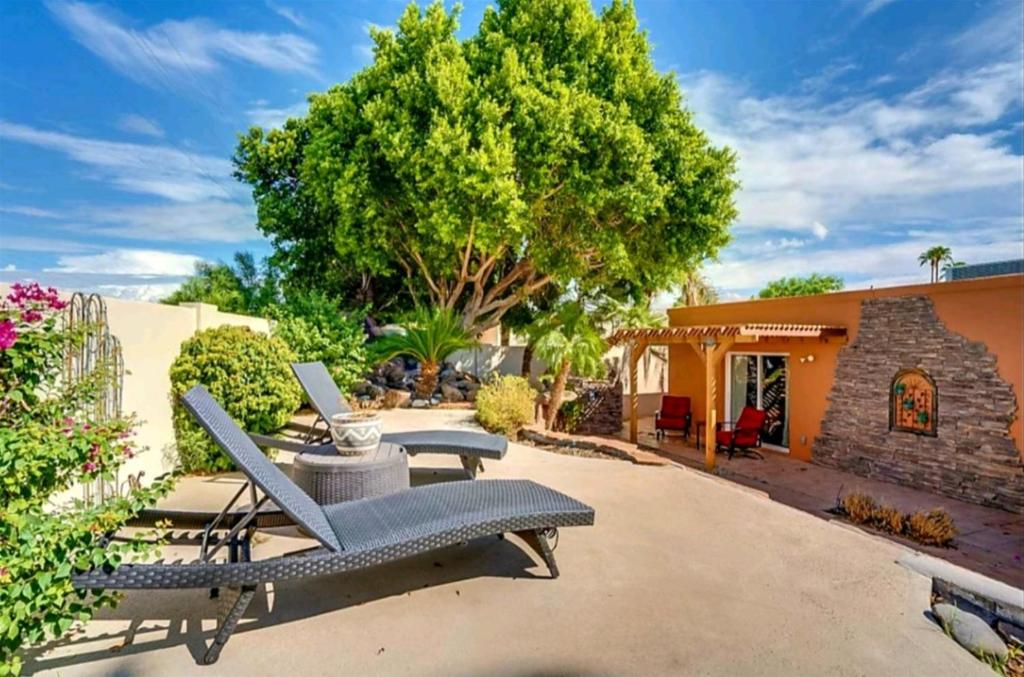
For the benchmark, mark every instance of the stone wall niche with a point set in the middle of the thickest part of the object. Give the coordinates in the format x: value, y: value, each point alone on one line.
x: 916, y: 404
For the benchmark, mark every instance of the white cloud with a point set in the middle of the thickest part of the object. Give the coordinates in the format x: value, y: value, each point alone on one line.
x: 153, y: 169
x: 138, y: 292
x: 136, y: 124
x: 999, y: 33
x: 22, y: 243
x: 208, y: 221
x: 871, y: 6
x: 288, y: 13
x: 819, y: 230
x: 35, y: 212
x: 804, y: 160
x: 268, y: 117
x: 138, y: 262
x: 177, y: 53
x: 869, y: 264
x: 10, y: 268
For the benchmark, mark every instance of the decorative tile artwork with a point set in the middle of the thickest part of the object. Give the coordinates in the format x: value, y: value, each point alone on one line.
x: 913, y: 405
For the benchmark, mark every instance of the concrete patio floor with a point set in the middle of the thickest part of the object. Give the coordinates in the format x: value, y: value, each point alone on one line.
x: 990, y: 541
x: 683, y: 573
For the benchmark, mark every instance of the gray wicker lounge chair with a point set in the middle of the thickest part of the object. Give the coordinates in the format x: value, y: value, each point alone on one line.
x: 353, y: 535
x: 327, y: 400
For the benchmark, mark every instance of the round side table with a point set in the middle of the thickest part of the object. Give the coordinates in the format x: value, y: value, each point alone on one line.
x: 329, y: 477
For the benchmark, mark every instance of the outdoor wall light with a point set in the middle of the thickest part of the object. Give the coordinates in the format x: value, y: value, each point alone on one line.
x: 807, y: 358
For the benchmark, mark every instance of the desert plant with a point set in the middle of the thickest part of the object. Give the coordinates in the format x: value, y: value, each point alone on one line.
x: 570, y: 343
x: 506, y: 404
x: 51, y: 441
x: 392, y: 398
x: 429, y: 336
x: 316, y: 330
x: 888, y: 518
x: 934, y: 527
x: 248, y: 373
x: 860, y: 508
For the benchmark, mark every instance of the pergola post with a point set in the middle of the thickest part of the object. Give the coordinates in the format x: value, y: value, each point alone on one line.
x: 636, y: 351
x: 712, y: 355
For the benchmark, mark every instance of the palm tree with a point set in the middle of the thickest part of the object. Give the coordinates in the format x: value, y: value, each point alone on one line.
x: 935, y: 257
x: 696, y: 290
x: 430, y: 336
x: 569, y: 342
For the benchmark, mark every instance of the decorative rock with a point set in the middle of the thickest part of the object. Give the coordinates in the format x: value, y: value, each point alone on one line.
x: 420, y: 404
x: 450, y: 393
x: 971, y: 632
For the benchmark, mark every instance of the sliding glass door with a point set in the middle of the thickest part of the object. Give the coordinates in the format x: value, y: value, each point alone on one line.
x: 761, y: 381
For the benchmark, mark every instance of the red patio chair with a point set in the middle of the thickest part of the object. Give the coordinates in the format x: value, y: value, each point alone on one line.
x: 673, y: 415
x: 743, y: 436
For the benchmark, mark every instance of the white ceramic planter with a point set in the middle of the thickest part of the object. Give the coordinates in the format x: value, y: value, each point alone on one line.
x: 356, y: 432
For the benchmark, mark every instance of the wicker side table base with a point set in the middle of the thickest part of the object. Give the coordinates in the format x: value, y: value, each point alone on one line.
x: 329, y: 477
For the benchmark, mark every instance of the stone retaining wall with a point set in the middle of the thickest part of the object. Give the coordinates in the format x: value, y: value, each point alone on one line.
x: 972, y: 457
x: 602, y: 413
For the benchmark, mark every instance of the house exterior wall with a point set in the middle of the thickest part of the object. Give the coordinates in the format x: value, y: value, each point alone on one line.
x: 988, y: 310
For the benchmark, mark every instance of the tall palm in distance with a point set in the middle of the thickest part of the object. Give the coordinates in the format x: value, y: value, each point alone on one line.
x: 935, y: 257
x: 696, y: 290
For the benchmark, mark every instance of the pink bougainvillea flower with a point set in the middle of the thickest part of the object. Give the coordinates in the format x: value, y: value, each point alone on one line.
x: 89, y: 467
x: 31, y: 316
x: 8, y: 334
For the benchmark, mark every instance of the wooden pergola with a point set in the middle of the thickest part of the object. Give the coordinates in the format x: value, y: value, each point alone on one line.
x: 710, y: 343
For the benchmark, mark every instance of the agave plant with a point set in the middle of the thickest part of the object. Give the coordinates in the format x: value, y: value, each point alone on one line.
x: 429, y: 336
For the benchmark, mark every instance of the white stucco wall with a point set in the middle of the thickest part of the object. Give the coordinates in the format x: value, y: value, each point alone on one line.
x: 151, y: 335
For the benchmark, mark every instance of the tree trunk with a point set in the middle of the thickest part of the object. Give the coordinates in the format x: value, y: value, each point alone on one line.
x: 428, y: 379
x: 557, y: 394
x: 524, y: 371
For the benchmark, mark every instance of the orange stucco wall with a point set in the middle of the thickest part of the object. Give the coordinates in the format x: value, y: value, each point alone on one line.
x: 989, y: 310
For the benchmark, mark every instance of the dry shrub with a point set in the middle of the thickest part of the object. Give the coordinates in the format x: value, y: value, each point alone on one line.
x: 934, y: 527
x: 860, y: 508
x: 888, y: 518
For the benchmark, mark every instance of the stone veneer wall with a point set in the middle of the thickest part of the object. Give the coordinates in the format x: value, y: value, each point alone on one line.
x: 972, y: 458
x: 603, y: 412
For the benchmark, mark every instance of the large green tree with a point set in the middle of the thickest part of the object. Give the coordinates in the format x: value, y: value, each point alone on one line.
x: 245, y: 287
x: 802, y: 286
x: 545, y: 149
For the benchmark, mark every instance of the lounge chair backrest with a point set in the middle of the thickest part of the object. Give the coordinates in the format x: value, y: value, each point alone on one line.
x: 320, y: 387
x: 258, y: 468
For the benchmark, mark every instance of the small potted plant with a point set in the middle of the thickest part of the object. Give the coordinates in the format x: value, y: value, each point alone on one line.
x: 356, y: 432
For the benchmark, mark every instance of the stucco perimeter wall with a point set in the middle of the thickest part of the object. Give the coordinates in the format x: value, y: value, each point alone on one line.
x: 987, y: 310
x: 151, y: 335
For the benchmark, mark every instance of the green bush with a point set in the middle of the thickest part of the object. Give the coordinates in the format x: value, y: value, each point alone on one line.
x: 51, y: 442
x: 317, y: 331
x: 506, y: 404
x: 247, y: 373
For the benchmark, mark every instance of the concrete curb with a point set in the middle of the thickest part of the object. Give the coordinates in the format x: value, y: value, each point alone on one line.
x: 1000, y: 599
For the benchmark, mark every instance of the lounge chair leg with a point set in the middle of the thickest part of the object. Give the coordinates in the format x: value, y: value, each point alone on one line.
x: 229, y: 620
x: 537, y: 540
x: 472, y: 464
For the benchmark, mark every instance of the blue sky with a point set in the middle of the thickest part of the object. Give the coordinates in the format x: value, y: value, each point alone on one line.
x: 867, y: 130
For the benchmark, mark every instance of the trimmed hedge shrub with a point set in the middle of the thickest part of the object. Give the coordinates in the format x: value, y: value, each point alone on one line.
x: 248, y: 373
x: 506, y: 405
x: 317, y: 331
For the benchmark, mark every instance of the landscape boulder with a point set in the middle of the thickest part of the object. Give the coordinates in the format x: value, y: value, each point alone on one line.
x: 971, y: 632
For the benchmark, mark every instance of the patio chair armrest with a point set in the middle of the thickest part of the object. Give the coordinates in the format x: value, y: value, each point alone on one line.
x: 721, y: 424
x: 278, y: 443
